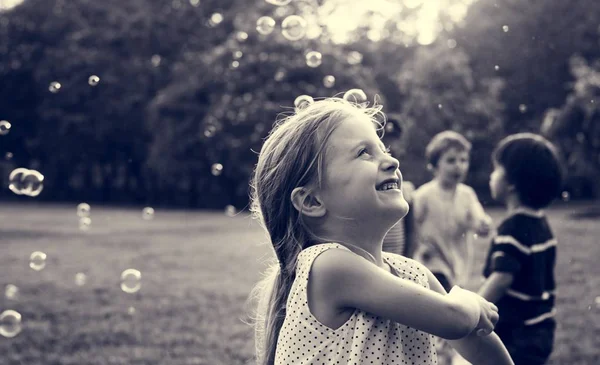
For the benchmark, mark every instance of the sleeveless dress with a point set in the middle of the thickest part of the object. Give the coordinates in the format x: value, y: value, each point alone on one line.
x: 363, y: 339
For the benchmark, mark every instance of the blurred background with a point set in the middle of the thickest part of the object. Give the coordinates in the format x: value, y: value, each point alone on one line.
x: 150, y: 114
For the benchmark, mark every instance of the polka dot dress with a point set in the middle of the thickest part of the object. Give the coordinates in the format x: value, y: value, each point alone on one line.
x: 363, y: 339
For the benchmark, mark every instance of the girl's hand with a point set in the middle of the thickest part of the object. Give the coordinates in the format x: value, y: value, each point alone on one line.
x: 486, y: 311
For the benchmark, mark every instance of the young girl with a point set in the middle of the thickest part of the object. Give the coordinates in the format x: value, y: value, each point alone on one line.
x: 327, y: 191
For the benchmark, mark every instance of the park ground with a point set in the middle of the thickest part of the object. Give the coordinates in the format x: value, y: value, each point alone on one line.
x: 197, y: 270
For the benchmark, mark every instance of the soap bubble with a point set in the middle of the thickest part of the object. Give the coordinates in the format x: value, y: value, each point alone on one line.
x: 293, y: 27
x: 329, y: 81
x: 93, y: 80
x: 357, y: 96
x: 230, y: 211
x: 131, y: 281
x: 4, y: 127
x: 37, y: 260
x: 11, y: 292
x: 303, y: 101
x: 54, y: 87
x: 148, y: 213
x: 10, y: 323
x: 216, y: 169
x: 265, y: 25
x: 83, y: 210
x: 85, y: 223
x: 80, y: 279
x: 314, y: 59
x: 279, y: 2
x: 565, y: 196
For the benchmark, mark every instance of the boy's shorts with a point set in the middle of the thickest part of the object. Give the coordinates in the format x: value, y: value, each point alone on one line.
x: 531, y: 345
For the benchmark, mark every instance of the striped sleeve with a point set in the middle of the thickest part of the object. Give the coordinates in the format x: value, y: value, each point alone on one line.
x: 508, y: 254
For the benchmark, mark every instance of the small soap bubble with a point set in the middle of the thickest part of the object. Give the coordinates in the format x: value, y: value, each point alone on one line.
x: 230, y: 211
x: 329, y: 81
x: 293, y: 27
x: 354, y: 57
x: 235, y: 64
x: 241, y: 36
x: 355, y: 96
x: 93, y: 80
x: 496, y: 67
x: 238, y: 54
x: 209, y: 131
x: 389, y: 127
x: 4, y: 127
x: 522, y: 108
x: 194, y: 3
x: 156, y: 59
x: 440, y: 106
x: 313, y: 59
x: 11, y: 292
x: 302, y: 102
x: 131, y: 310
x: 279, y: 2
x: 505, y: 28
x: 148, y: 213
x: 565, y: 196
x: 37, y: 260
x: 216, y: 169
x: 83, y: 210
x: 265, y: 25
x: 32, y: 183
x: 54, y: 87
x: 216, y: 19
x: 8, y: 156
x: 10, y: 323
x: 597, y: 301
x: 85, y: 223
x: 451, y: 43
x: 131, y: 281
x: 80, y: 279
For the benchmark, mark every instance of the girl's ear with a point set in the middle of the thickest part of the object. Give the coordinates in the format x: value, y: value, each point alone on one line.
x: 307, y: 203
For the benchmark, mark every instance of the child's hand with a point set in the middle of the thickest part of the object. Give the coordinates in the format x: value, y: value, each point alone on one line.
x: 484, y: 227
x: 488, y: 312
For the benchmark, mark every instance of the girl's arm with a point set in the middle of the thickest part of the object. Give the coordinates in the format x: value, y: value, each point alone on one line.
x: 482, y: 223
x: 495, y: 285
x: 474, y: 348
x: 341, y: 280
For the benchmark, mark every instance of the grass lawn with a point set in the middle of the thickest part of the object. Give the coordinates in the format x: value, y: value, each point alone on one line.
x: 197, y: 269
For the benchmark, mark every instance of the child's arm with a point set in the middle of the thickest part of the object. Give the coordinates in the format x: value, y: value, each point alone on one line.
x: 474, y: 348
x: 495, y: 286
x: 340, y: 280
x: 482, y: 223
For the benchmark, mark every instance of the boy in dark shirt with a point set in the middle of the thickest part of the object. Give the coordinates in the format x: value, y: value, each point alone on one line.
x: 519, y: 268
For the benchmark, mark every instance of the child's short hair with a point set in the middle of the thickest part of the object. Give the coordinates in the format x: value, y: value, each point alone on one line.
x: 533, y: 166
x: 442, y: 142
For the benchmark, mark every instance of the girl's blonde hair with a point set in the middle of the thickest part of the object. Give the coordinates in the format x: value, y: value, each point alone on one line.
x: 292, y: 156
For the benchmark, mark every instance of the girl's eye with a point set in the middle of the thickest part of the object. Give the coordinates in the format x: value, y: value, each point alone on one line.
x: 362, y: 151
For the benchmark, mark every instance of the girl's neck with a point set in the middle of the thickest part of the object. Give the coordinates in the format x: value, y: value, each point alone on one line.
x: 369, y: 248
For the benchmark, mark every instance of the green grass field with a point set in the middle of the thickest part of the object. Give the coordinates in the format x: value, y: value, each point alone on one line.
x: 197, y: 269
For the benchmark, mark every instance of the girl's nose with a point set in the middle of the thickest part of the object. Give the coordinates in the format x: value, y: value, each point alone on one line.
x: 391, y: 163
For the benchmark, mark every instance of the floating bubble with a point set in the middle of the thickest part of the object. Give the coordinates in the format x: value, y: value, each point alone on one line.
x: 279, y: 75
x: 85, y: 223
x: 37, y: 260
x: 293, y: 27
x: 216, y: 19
x: 597, y: 301
x: 148, y: 213
x: 355, y: 96
x: 11, y: 292
x: 93, y: 80
x: 156, y: 60
x: 505, y: 28
x: 15, y: 179
x: 313, y: 59
x: 265, y: 25
x: 302, y: 102
x: 8, y: 155
x: 210, y: 131
x: 496, y: 67
x: 54, y: 87
x: 522, y: 108
x: 80, y: 279
x: 10, y: 323
x: 83, y: 210
x: 440, y: 106
x: 4, y: 127
x: 235, y: 64
x: 131, y: 281
x: 216, y: 169
x: 451, y: 43
x: 279, y: 2
x: 241, y: 36
x: 32, y: 183
x: 565, y: 196
x: 230, y: 211
x: 329, y: 81
x: 354, y: 57
x: 238, y: 54
x: 131, y: 310
x: 194, y: 3
x: 389, y: 127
